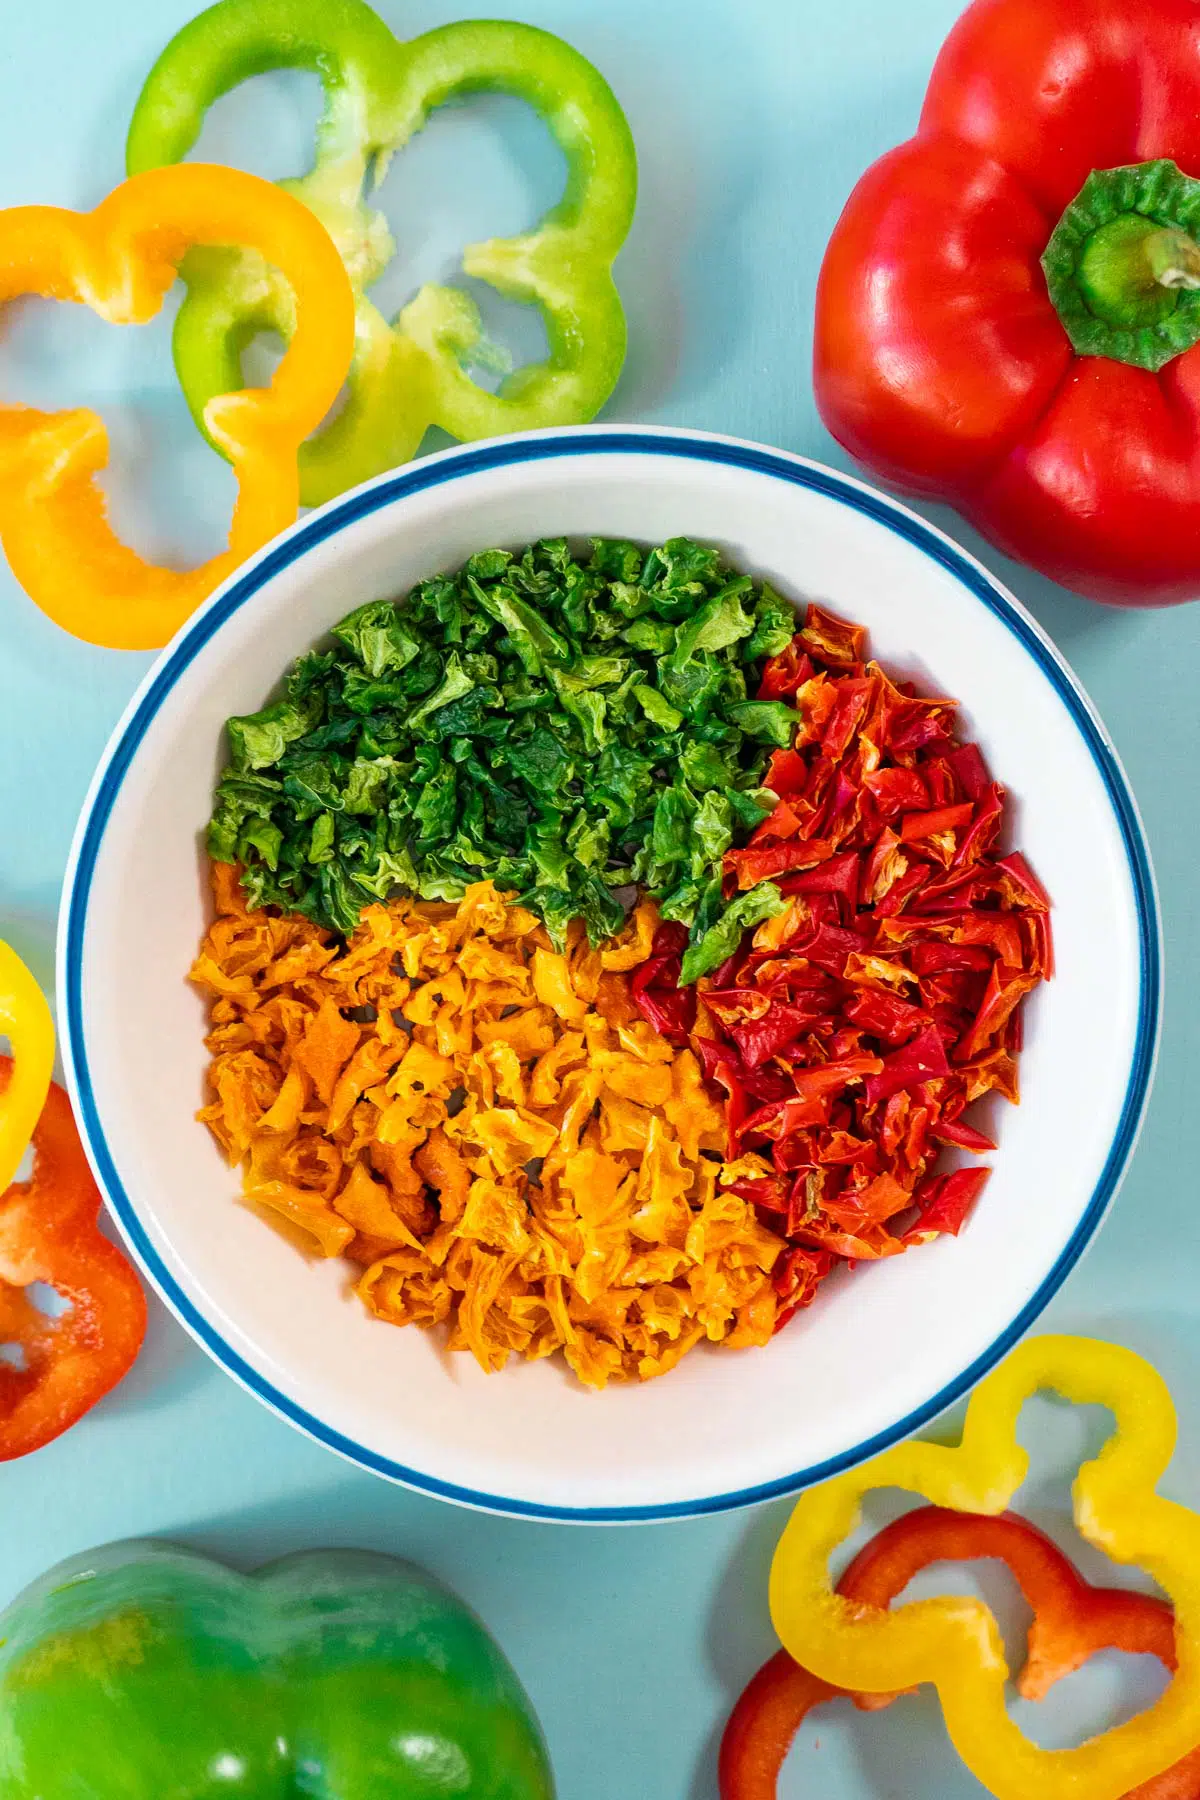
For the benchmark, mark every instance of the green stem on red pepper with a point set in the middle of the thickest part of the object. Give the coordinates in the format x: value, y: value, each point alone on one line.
x: 1123, y: 265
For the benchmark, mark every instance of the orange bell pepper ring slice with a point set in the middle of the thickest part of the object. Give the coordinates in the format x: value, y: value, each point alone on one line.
x: 953, y: 1641
x: 120, y: 260
x: 26, y: 1022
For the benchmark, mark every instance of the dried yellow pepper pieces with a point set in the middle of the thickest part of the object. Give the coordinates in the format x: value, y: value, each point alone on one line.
x: 953, y: 1641
x: 120, y: 260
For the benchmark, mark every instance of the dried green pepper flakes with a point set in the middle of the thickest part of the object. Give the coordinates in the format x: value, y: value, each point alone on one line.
x: 564, y: 727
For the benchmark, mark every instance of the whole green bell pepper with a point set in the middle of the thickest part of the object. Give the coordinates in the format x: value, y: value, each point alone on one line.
x: 144, y: 1672
x: 412, y: 372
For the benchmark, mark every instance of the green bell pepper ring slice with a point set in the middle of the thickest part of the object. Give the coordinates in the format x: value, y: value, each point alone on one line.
x: 412, y: 372
x: 141, y: 1671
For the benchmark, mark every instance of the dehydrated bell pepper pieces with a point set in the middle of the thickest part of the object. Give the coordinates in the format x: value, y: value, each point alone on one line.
x: 120, y: 260
x: 884, y: 996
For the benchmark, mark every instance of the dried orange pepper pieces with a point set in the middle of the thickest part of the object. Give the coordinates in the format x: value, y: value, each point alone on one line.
x: 120, y: 260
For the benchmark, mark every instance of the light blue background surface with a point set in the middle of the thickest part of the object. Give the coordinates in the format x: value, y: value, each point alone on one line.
x: 753, y: 121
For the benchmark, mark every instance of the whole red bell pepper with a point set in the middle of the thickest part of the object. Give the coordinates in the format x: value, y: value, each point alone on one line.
x: 1008, y: 315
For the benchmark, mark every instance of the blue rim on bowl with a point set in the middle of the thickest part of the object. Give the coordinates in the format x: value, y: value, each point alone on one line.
x: 432, y: 472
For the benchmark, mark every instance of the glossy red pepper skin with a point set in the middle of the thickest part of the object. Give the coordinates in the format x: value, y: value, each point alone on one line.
x: 49, y: 1233
x: 939, y: 359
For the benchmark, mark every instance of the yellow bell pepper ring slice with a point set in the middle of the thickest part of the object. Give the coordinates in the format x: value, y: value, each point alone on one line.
x: 26, y: 1022
x: 120, y: 260
x: 954, y: 1642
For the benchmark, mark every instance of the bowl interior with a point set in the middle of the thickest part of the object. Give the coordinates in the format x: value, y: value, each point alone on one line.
x: 883, y: 1342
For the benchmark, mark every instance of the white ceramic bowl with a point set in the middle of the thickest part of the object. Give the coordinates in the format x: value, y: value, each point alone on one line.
x: 884, y: 1349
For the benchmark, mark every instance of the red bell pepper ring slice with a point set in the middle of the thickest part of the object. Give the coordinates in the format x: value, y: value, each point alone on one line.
x: 1072, y: 1620
x: 49, y: 1233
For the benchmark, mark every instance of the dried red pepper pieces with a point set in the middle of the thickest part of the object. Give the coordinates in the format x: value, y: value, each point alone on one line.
x: 49, y: 1233
x: 655, y: 987
x: 1071, y: 1621
x: 852, y: 1032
